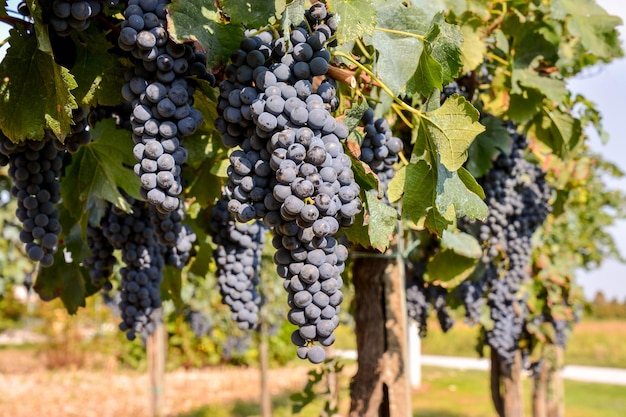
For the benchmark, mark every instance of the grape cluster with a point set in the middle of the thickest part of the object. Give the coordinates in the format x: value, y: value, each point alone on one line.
x: 161, y: 98
x: 80, y: 134
x: 35, y: 168
x: 517, y: 195
x: 68, y: 15
x: 199, y: 322
x: 379, y: 149
x: 175, y: 237
x: 421, y: 295
x: 290, y: 168
x: 141, y: 277
x: 100, y: 261
x: 238, y: 257
x: 269, y: 88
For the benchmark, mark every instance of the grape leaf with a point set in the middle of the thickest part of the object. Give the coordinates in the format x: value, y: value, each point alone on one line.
x: 29, y: 75
x: 419, y: 187
x: 196, y: 20
x: 171, y: 286
x: 451, y: 128
x: 553, y: 89
x: 382, y: 221
x: 252, y: 14
x: 473, y: 48
x: 395, y: 189
x: 65, y: 280
x: 357, y: 17
x: 461, y: 243
x: 557, y: 129
x: 448, y: 269
x: 487, y: 146
x: 293, y: 15
x: 99, y: 75
x: 595, y: 27
x: 99, y: 169
x: 397, y: 53
x: 428, y: 75
x: 446, y: 48
x: 452, y: 192
x: 471, y: 183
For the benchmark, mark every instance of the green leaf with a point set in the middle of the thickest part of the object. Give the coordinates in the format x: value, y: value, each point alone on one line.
x: 293, y: 15
x: 171, y: 286
x: 99, y: 169
x: 448, y: 269
x: 427, y: 77
x: 99, y: 74
x: 557, y: 129
x: 419, y: 187
x: 470, y: 183
x: 62, y: 279
x: 461, y: 243
x: 354, y: 114
x: 553, y: 89
x: 487, y: 146
x: 252, y: 14
x: 199, y: 20
x: 382, y: 221
x: 395, y: 189
x: 592, y: 24
x: 34, y: 91
x: 357, y: 17
x: 452, y: 192
x: 473, y: 49
x: 451, y: 128
x: 398, y: 54
x: 446, y: 48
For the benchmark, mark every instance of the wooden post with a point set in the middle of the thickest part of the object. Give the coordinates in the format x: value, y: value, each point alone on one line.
x: 415, y: 355
x: 506, y: 386
x: 366, y: 388
x: 156, y: 347
x: 396, y: 356
x: 266, y: 397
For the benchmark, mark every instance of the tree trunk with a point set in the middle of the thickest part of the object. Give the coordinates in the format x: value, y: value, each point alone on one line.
x: 506, y: 386
x: 366, y: 388
x: 395, y: 375
x: 548, y: 398
x: 380, y: 387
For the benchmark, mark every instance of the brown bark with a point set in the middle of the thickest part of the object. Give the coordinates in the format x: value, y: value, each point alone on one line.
x: 556, y: 399
x: 496, y: 390
x: 395, y: 374
x: 548, y: 400
x: 506, y: 386
x: 366, y: 388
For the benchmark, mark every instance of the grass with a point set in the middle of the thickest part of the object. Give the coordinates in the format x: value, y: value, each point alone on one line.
x: 446, y: 393
x: 592, y: 343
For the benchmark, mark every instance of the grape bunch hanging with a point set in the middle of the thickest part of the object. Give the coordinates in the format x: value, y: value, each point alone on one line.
x: 289, y: 168
x: 517, y: 195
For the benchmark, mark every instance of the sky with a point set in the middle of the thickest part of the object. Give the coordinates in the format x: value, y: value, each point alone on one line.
x: 606, y: 87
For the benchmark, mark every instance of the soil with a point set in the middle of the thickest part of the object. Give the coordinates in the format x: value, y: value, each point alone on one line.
x: 28, y: 389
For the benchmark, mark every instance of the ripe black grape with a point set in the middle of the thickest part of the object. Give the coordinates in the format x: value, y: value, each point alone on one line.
x: 238, y: 256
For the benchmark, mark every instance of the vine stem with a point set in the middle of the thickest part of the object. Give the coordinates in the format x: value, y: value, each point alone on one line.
x: 382, y: 85
x: 400, y: 32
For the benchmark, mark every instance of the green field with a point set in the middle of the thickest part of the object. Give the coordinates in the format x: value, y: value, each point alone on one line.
x: 593, y: 343
x: 447, y: 393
